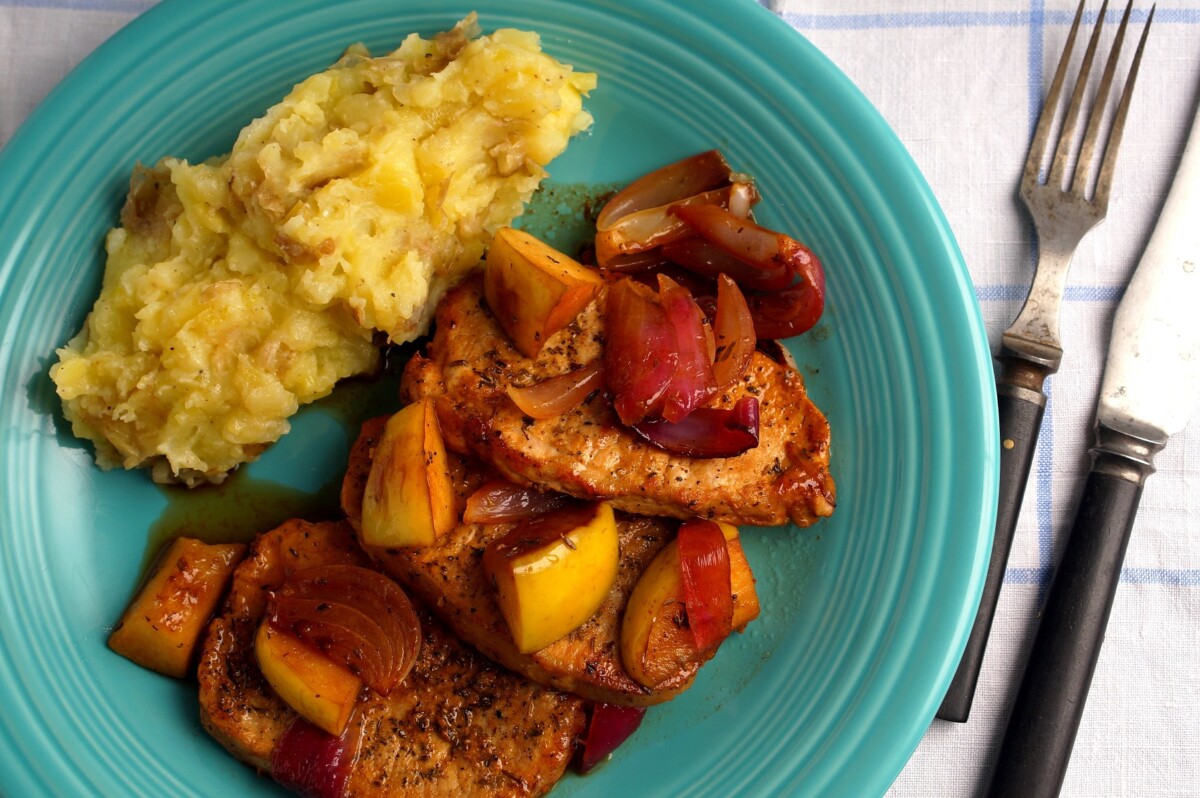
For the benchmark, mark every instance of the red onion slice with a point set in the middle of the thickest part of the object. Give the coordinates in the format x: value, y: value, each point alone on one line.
x: 608, y: 727
x: 707, y: 432
x: 500, y: 501
x: 312, y: 762
x: 704, y: 562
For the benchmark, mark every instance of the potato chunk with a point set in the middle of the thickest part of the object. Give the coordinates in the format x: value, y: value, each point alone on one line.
x: 163, y: 625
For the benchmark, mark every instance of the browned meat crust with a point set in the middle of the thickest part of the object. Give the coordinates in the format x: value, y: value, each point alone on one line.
x: 449, y: 577
x: 458, y: 725
x: 587, y: 453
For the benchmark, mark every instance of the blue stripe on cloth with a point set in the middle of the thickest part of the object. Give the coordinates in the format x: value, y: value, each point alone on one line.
x: 1168, y: 577
x: 1036, y: 18
x: 1073, y: 293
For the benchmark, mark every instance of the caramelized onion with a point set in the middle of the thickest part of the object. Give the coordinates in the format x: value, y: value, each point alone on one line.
x: 735, y: 334
x: 499, y: 501
x: 310, y: 761
x: 640, y: 355
x: 637, y: 262
x: 684, y: 178
x: 608, y: 727
x: 782, y: 312
x: 707, y: 592
x: 788, y: 312
x: 693, y: 382
x: 355, y: 616
x: 707, y: 432
x: 556, y: 395
x: 651, y: 227
x: 699, y: 255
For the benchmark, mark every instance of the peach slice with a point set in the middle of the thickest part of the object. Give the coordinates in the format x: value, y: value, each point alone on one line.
x: 319, y: 689
x: 533, y: 289
x: 163, y: 624
x: 656, y: 642
x: 409, y: 498
x: 553, y: 571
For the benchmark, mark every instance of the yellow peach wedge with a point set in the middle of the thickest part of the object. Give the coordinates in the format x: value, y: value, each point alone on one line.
x: 553, y: 571
x: 657, y: 645
x: 319, y: 689
x: 409, y: 498
x: 533, y: 289
x: 163, y: 624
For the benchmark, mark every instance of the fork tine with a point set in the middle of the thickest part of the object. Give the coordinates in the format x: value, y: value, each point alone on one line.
x: 1083, y: 168
x: 1104, y: 181
x: 1037, y: 148
x: 1067, y: 135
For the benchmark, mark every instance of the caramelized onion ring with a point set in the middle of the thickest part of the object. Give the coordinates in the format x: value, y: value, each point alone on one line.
x: 355, y: 616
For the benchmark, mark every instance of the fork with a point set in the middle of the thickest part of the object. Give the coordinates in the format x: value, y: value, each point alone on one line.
x: 1065, y: 206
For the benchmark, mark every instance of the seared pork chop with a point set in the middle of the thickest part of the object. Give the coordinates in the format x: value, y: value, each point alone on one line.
x: 587, y: 453
x: 449, y: 577
x: 458, y: 724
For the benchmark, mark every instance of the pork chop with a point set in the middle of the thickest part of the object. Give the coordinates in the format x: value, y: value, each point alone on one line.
x: 449, y: 577
x: 458, y: 724
x: 587, y: 453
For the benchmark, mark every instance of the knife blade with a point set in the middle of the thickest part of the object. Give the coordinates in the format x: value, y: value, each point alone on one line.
x: 1150, y: 389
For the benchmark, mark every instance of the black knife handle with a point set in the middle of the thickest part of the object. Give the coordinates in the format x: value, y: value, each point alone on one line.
x: 1041, y: 729
x: 1021, y: 412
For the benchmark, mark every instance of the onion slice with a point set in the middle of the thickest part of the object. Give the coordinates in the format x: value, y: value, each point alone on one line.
x: 640, y: 356
x: 608, y: 727
x: 312, y: 762
x: 556, y: 395
x: 707, y: 432
x: 707, y: 591
x: 693, y: 382
x: 788, y: 312
x: 735, y: 334
x: 694, y: 175
x: 339, y: 608
x: 651, y: 227
x: 499, y: 501
x: 699, y: 255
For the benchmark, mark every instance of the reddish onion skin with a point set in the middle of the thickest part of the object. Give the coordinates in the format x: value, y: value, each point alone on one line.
x: 703, y: 257
x: 707, y: 432
x: 556, y: 395
x: 788, y: 312
x: 311, y: 762
x: 693, y: 382
x: 707, y: 591
x: 640, y: 355
x: 608, y: 727
x: 733, y: 327
x: 499, y: 501
x: 651, y: 228
x: 782, y: 312
x: 693, y: 175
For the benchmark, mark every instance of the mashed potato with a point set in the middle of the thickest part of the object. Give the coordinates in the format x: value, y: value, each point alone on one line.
x: 239, y: 289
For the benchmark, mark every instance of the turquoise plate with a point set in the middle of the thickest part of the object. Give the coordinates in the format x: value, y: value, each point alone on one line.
x: 864, y: 615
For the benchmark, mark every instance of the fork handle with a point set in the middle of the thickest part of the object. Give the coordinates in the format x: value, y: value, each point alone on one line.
x: 1021, y: 409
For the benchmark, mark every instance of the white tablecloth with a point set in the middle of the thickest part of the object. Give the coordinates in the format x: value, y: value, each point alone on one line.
x: 961, y: 82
